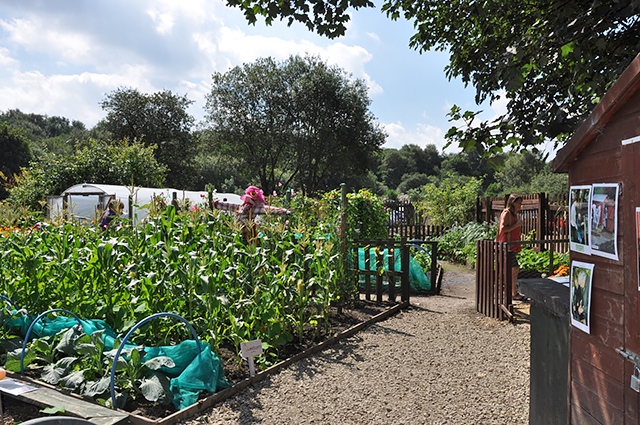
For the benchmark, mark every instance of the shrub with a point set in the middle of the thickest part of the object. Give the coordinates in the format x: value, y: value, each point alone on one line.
x: 459, y: 243
x: 451, y: 202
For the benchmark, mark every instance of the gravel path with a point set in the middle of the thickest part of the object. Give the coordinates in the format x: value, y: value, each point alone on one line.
x: 438, y: 362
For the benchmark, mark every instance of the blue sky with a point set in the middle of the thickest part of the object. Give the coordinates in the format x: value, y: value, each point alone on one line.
x: 61, y: 57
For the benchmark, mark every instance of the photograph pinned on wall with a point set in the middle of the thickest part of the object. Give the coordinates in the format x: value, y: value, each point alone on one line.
x: 580, y: 295
x: 579, y: 218
x: 604, y: 220
x: 638, y: 242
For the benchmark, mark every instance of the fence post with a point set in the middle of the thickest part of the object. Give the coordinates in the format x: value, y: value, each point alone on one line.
x: 434, y: 264
x: 379, y: 251
x: 343, y: 243
x: 391, y: 261
x: 489, y: 210
x: 131, y: 209
x: 541, y: 228
x: 174, y: 200
x: 404, y: 253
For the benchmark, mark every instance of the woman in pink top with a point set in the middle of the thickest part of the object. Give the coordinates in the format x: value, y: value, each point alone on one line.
x: 509, y: 230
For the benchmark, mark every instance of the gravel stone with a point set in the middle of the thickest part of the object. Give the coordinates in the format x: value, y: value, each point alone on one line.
x: 438, y: 362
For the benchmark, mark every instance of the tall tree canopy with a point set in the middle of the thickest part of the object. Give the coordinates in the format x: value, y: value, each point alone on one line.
x: 299, y: 122
x: 552, y: 60
x: 15, y: 155
x: 159, y: 119
x: 121, y: 163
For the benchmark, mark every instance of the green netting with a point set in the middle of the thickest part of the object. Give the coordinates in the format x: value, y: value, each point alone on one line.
x: 191, y: 374
x: 417, y: 278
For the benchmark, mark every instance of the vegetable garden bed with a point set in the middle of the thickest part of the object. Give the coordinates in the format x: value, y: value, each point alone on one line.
x: 344, y: 325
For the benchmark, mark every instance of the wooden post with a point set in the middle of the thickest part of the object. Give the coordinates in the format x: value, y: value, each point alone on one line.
x: 489, y: 209
x: 405, y: 286
x: 542, y: 219
x: 65, y: 206
x: 174, y: 200
x: 391, y: 262
x: 367, y: 267
x: 343, y: 243
x: 131, y: 209
x: 434, y: 263
x: 379, y: 265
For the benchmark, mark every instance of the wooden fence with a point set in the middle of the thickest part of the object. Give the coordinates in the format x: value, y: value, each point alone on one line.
x: 493, y: 275
x: 406, y: 222
x: 387, y: 271
x: 543, y: 216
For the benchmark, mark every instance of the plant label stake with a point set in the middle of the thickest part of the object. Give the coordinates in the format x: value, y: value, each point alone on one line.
x: 249, y: 350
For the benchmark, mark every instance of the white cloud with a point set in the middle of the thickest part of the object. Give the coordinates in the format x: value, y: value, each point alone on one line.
x: 164, y: 21
x: 6, y: 61
x: 40, y: 36
x: 76, y: 97
x: 374, y: 36
x: 422, y: 135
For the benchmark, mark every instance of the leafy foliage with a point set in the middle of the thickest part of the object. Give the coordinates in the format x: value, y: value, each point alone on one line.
x: 15, y: 155
x: 158, y: 119
x: 123, y: 163
x: 367, y: 217
x: 231, y: 292
x: 552, y: 60
x: 300, y: 122
x: 538, y: 261
x: 459, y: 243
x: 46, y: 134
x: 327, y: 17
x: 451, y: 202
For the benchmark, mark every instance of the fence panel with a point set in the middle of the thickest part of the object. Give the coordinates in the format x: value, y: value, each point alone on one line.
x: 545, y: 216
x: 384, y: 267
x: 493, y: 275
x: 390, y: 261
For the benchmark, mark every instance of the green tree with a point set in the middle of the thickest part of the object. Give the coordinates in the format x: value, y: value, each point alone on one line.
x: 551, y: 60
x: 549, y: 182
x: 518, y: 171
x: 15, y: 155
x: 413, y: 181
x: 160, y: 119
x: 450, y: 202
x: 121, y: 163
x: 46, y: 134
x: 471, y: 163
x: 299, y: 121
x: 427, y: 161
x: 395, y: 164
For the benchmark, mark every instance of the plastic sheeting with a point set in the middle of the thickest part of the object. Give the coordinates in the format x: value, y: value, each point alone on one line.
x: 417, y: 278
x: 191, y: 374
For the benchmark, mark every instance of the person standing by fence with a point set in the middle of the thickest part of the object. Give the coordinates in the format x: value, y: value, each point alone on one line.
x: 508, y: 231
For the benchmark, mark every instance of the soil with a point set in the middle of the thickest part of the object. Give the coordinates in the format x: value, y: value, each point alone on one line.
x: 235, y: 370
x: 16, y: 411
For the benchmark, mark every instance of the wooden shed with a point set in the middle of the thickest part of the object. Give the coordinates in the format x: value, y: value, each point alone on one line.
x: 603, y: 156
